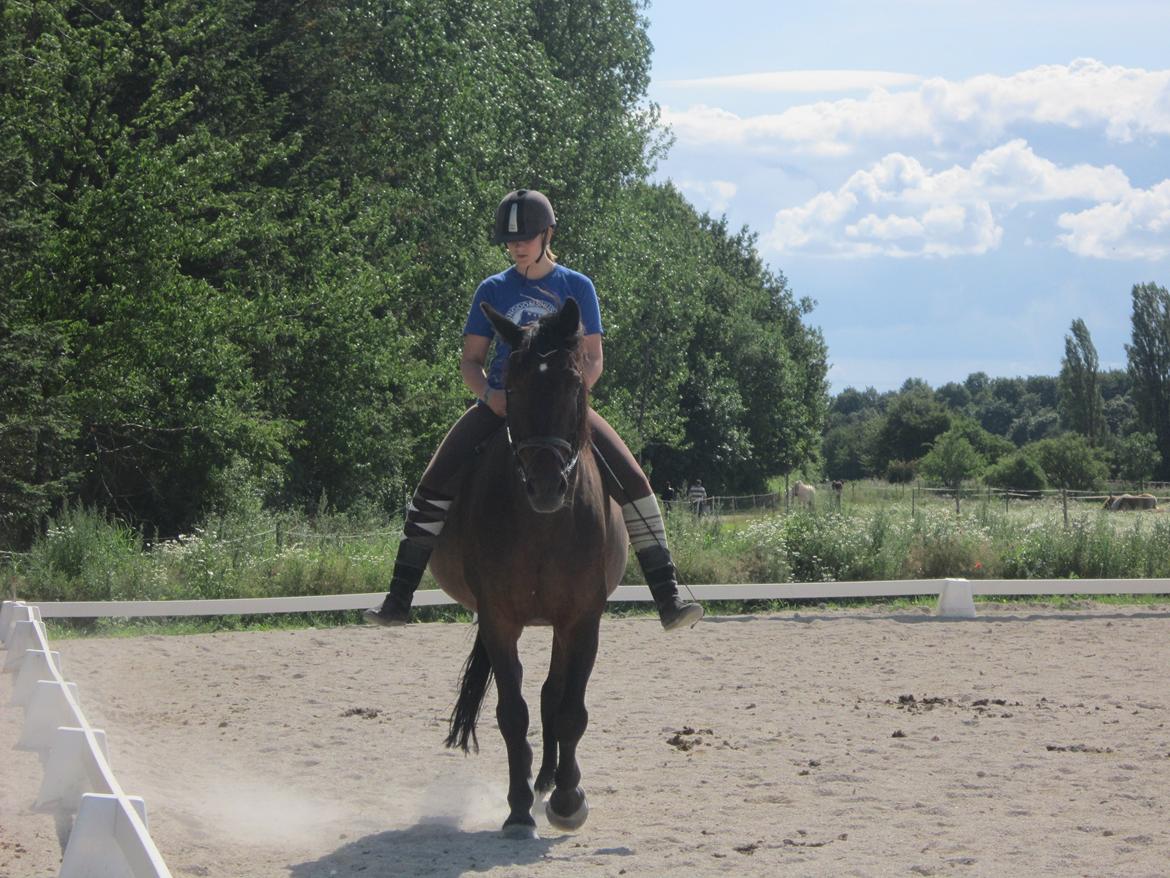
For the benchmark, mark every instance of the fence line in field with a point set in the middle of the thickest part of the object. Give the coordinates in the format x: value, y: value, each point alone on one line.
x: 109, y: 836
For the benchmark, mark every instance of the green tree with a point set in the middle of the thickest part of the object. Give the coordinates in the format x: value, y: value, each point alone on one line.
x: 914, y: 419
x: 1018, y: 471
x: 988, y: 445
x: 1081, y: 404
x: 1136, y: 457
x: 951, y: 461
x: 1070, y: 462
x: 1149, y: 365
x: 38, y: 468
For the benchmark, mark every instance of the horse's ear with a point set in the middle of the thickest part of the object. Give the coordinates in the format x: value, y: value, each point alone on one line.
x: 569, y: 318
x: 509, y: 331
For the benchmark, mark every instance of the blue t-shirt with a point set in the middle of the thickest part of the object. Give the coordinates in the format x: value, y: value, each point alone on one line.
x: 523, y: 301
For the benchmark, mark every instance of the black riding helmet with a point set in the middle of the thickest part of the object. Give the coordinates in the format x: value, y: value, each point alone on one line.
x: 522, y: 214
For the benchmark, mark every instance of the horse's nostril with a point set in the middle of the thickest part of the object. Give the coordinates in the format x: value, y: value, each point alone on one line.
x: 531, y: 489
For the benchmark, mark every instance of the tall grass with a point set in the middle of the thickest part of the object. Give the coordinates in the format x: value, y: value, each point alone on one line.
x: 86, y: 556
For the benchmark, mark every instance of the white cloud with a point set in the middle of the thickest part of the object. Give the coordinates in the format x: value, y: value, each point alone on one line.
x: 1124, y: 103
x: 710, y: 195
x: 801, y: 81
x: 1136, y: 226
x: 898, y: 207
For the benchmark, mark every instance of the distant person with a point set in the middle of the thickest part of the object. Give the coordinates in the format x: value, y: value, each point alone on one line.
x: 668, y: 495
x: 697, y: 496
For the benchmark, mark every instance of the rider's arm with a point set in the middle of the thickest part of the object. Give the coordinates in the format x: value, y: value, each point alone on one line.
x: 594, y: 361
x: 475, y: 348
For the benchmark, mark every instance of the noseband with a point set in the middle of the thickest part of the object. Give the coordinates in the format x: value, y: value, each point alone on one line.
x: 565, y: 452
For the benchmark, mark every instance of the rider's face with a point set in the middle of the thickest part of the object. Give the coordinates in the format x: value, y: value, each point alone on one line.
x: 525, y: 253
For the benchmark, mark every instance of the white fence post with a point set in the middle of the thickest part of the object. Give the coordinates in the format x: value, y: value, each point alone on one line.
x: 48, y: 708
x: 956, y: 600
x: 6, y: 610
x: 71, y: 770
x: 26, y: 635
x: 93, y: 850
x: 109, y: 838
x: 37, y: 665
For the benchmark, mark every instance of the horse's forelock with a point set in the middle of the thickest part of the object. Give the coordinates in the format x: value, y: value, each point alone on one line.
x: 545, y: 337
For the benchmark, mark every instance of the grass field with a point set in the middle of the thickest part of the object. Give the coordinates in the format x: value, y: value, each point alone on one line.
x: 876, y: 534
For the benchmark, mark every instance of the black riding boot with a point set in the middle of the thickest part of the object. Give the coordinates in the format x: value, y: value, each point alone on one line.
x: 658, y: 568
x: 408, y: 570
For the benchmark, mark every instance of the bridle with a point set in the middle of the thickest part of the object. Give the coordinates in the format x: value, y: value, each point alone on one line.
x: 566, y: 454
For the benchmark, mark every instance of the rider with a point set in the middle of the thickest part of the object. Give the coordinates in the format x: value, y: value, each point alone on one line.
x: 535, y: 285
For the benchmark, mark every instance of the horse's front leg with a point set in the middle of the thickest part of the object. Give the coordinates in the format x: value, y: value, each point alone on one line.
x: 512, y: 718
x: 551, y: 695
x: 567, y: 807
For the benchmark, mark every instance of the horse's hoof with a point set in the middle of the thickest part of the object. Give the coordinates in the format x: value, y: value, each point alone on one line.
x: 567, y: 822
x: 519, y: 831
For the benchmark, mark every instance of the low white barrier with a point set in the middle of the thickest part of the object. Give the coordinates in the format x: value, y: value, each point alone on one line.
x: 109, y: 837
x: 634, y: 593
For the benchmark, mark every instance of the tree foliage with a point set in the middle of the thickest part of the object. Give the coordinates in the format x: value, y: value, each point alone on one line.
x: 1007, y: 420
x: 952, y: 460
x: 1081, y: 404
x: 1149, y: 365
x: 238, y: 241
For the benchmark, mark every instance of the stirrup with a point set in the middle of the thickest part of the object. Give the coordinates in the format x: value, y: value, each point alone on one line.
x: 387, y: 616
x: 675, y: 614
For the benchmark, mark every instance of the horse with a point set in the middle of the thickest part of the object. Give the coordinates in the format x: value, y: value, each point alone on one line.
x: 533, y: 537
x: 804, y: 494
x: 1125, y: 502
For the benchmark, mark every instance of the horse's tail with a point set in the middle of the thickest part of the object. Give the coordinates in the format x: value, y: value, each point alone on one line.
x: 477, y: 673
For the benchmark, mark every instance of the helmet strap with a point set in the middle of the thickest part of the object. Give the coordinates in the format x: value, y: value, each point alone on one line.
x: 543, y: 245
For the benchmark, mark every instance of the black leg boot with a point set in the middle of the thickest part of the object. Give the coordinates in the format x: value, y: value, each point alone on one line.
x: 408, y: 570
x: 658, y: 568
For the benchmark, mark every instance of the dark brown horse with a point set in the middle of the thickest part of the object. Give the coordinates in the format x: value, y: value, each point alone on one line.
x: 534, y: 538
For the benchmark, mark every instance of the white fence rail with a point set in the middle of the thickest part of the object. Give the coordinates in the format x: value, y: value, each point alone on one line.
x: 109, y: 837
x: 624, y: 593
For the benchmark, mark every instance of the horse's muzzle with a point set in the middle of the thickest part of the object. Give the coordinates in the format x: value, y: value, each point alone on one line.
x: 545, y: 474
x: 547, y: 494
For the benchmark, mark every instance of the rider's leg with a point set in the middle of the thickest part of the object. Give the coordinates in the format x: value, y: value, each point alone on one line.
x: 644, y: 523
x: 427, y: 512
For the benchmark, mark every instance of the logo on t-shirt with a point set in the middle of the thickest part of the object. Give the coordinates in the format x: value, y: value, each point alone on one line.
x: 530, y: 310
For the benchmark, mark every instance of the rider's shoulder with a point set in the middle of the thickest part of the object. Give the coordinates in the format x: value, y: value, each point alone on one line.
x: 508, y: 275
x: 573, y: 278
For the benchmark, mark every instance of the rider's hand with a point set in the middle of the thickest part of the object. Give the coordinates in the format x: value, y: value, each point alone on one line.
x: 497, y: 401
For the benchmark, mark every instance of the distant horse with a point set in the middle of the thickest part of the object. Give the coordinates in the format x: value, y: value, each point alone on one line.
x: 1126, y: 502
x: 805, y: 495
x: 533, y: 538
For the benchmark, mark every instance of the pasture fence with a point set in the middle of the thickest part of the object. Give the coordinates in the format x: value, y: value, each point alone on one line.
x: 109, y: 836
x: 731, y: 504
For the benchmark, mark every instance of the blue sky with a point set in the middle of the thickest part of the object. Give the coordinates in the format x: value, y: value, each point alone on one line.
x: 952, y: 182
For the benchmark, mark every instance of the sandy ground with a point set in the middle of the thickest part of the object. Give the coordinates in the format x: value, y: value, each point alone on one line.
x: 1025, y: 742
